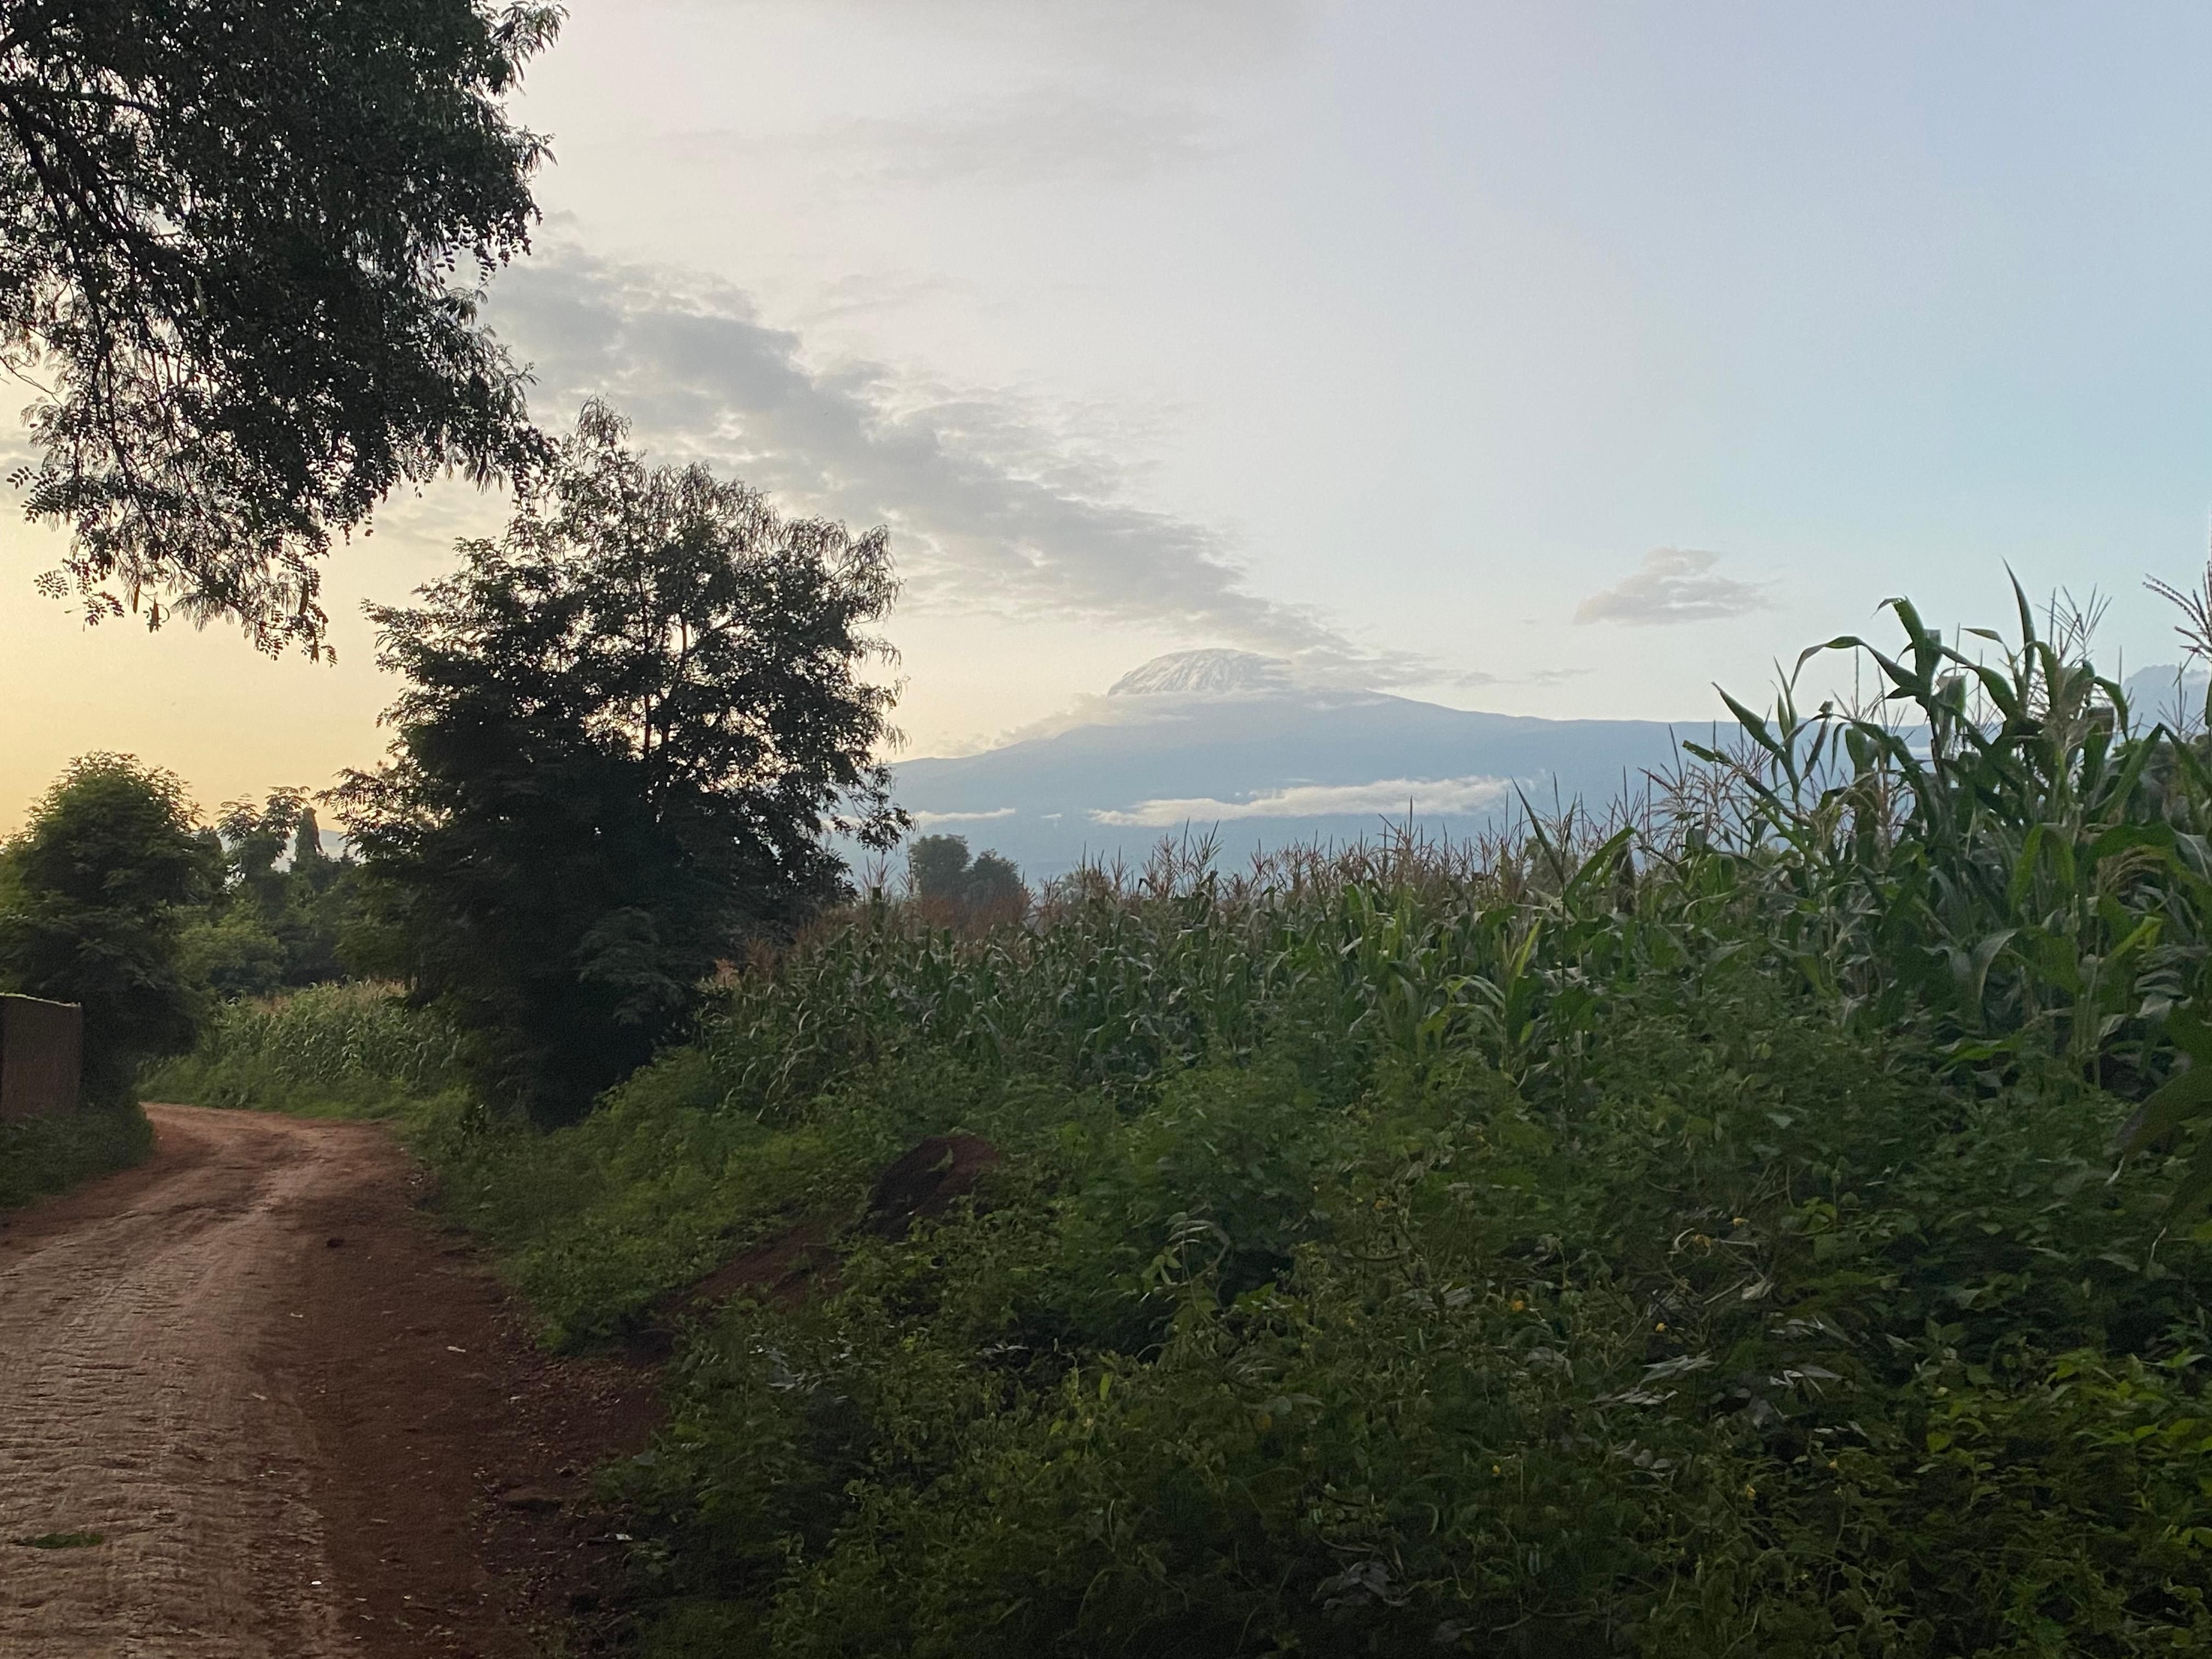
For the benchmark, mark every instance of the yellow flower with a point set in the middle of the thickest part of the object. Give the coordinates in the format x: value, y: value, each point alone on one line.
x: 1660, y: 1326
x: 1517, y: 1304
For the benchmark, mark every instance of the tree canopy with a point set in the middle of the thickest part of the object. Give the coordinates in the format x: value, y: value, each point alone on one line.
x: 630, y: 724
x: 986, y: 888
x: 91, y: 907
x: 241, y: 252
x: 277, y: 916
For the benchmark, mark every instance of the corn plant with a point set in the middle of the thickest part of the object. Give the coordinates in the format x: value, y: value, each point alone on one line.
x: 1992, y: 847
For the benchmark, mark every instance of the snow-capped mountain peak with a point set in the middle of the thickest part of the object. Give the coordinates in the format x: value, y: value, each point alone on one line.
x: 1203, y: 673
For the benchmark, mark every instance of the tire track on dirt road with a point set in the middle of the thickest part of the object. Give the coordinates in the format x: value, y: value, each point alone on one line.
x: 288, y: 1449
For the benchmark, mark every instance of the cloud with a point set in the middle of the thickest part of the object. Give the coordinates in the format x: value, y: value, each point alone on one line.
x: 1046, y: 136
x: 987, y: 509
x: 931, y: 820
x: 1387, y: 797
x: 1014, y: 93
x: 1675, y: 584
x: 1182, y: 40
x: 1053, y: 134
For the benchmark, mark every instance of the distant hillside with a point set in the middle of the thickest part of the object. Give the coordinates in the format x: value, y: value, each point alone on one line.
x: 2168, y: 693
x: 1226, y: 742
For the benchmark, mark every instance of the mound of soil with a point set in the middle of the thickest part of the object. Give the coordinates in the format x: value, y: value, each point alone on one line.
x: 922, y: 1185
x: 784, y: 1272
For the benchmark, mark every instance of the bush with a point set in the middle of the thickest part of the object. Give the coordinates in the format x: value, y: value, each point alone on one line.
x: 1681, y: 1355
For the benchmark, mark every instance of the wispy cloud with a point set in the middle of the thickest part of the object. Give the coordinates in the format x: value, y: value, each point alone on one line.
x: 1180, y: 40
x: 1056, y: 133
x: 1042, y: 137
x: 931, y: 820
x: 1386, y: 797
x: 1014, y: 93
x: 986, y: 510
x: 1673, y: 584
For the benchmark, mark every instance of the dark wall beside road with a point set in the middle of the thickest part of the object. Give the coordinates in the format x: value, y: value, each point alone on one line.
x: 41, y: 1056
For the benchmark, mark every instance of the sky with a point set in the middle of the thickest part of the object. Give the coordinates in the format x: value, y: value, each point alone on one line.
x: 1549, y: 360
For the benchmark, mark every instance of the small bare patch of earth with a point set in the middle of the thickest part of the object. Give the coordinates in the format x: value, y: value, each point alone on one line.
x: 299, y: 1417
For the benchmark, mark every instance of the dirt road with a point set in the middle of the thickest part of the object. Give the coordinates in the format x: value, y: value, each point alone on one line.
x: 301, y: 1420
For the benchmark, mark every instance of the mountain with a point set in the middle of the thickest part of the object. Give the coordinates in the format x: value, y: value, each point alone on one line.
x: 1203, y: 673
x: 1237, y: 745
x: 2168, y: 692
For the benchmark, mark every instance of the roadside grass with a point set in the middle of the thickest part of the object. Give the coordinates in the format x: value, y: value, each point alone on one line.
x: 41, y: 1156
x: 599, y: 1224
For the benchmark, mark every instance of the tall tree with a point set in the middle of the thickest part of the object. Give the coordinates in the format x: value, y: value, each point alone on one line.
x: 630, y: 724
x: 982, y: 893
x: 242, y: 250
x: 91, y: 903
x: 272, y: 921
x: 936, y: 866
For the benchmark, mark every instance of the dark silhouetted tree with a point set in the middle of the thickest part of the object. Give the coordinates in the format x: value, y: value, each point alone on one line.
x: 242, y: 250
x: 995, y: 888
x: 936, y: 866
x: 93, y: 894
x: 987, y: 889
x: 631, y: 723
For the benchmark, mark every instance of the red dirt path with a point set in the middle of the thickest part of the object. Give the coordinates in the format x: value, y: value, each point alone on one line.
x: 292, y: 1447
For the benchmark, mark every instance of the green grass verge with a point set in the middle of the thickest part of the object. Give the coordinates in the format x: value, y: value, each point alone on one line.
x: 42, y: 1156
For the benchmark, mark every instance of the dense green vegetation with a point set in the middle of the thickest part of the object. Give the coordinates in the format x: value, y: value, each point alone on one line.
x: 1297, y: 1322
x: 628, y: 724
x: 93, y: 899
x: 339, y: 1050
x: 1691, y: 1235
x: 281, y: 909
x: 94, y: 894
